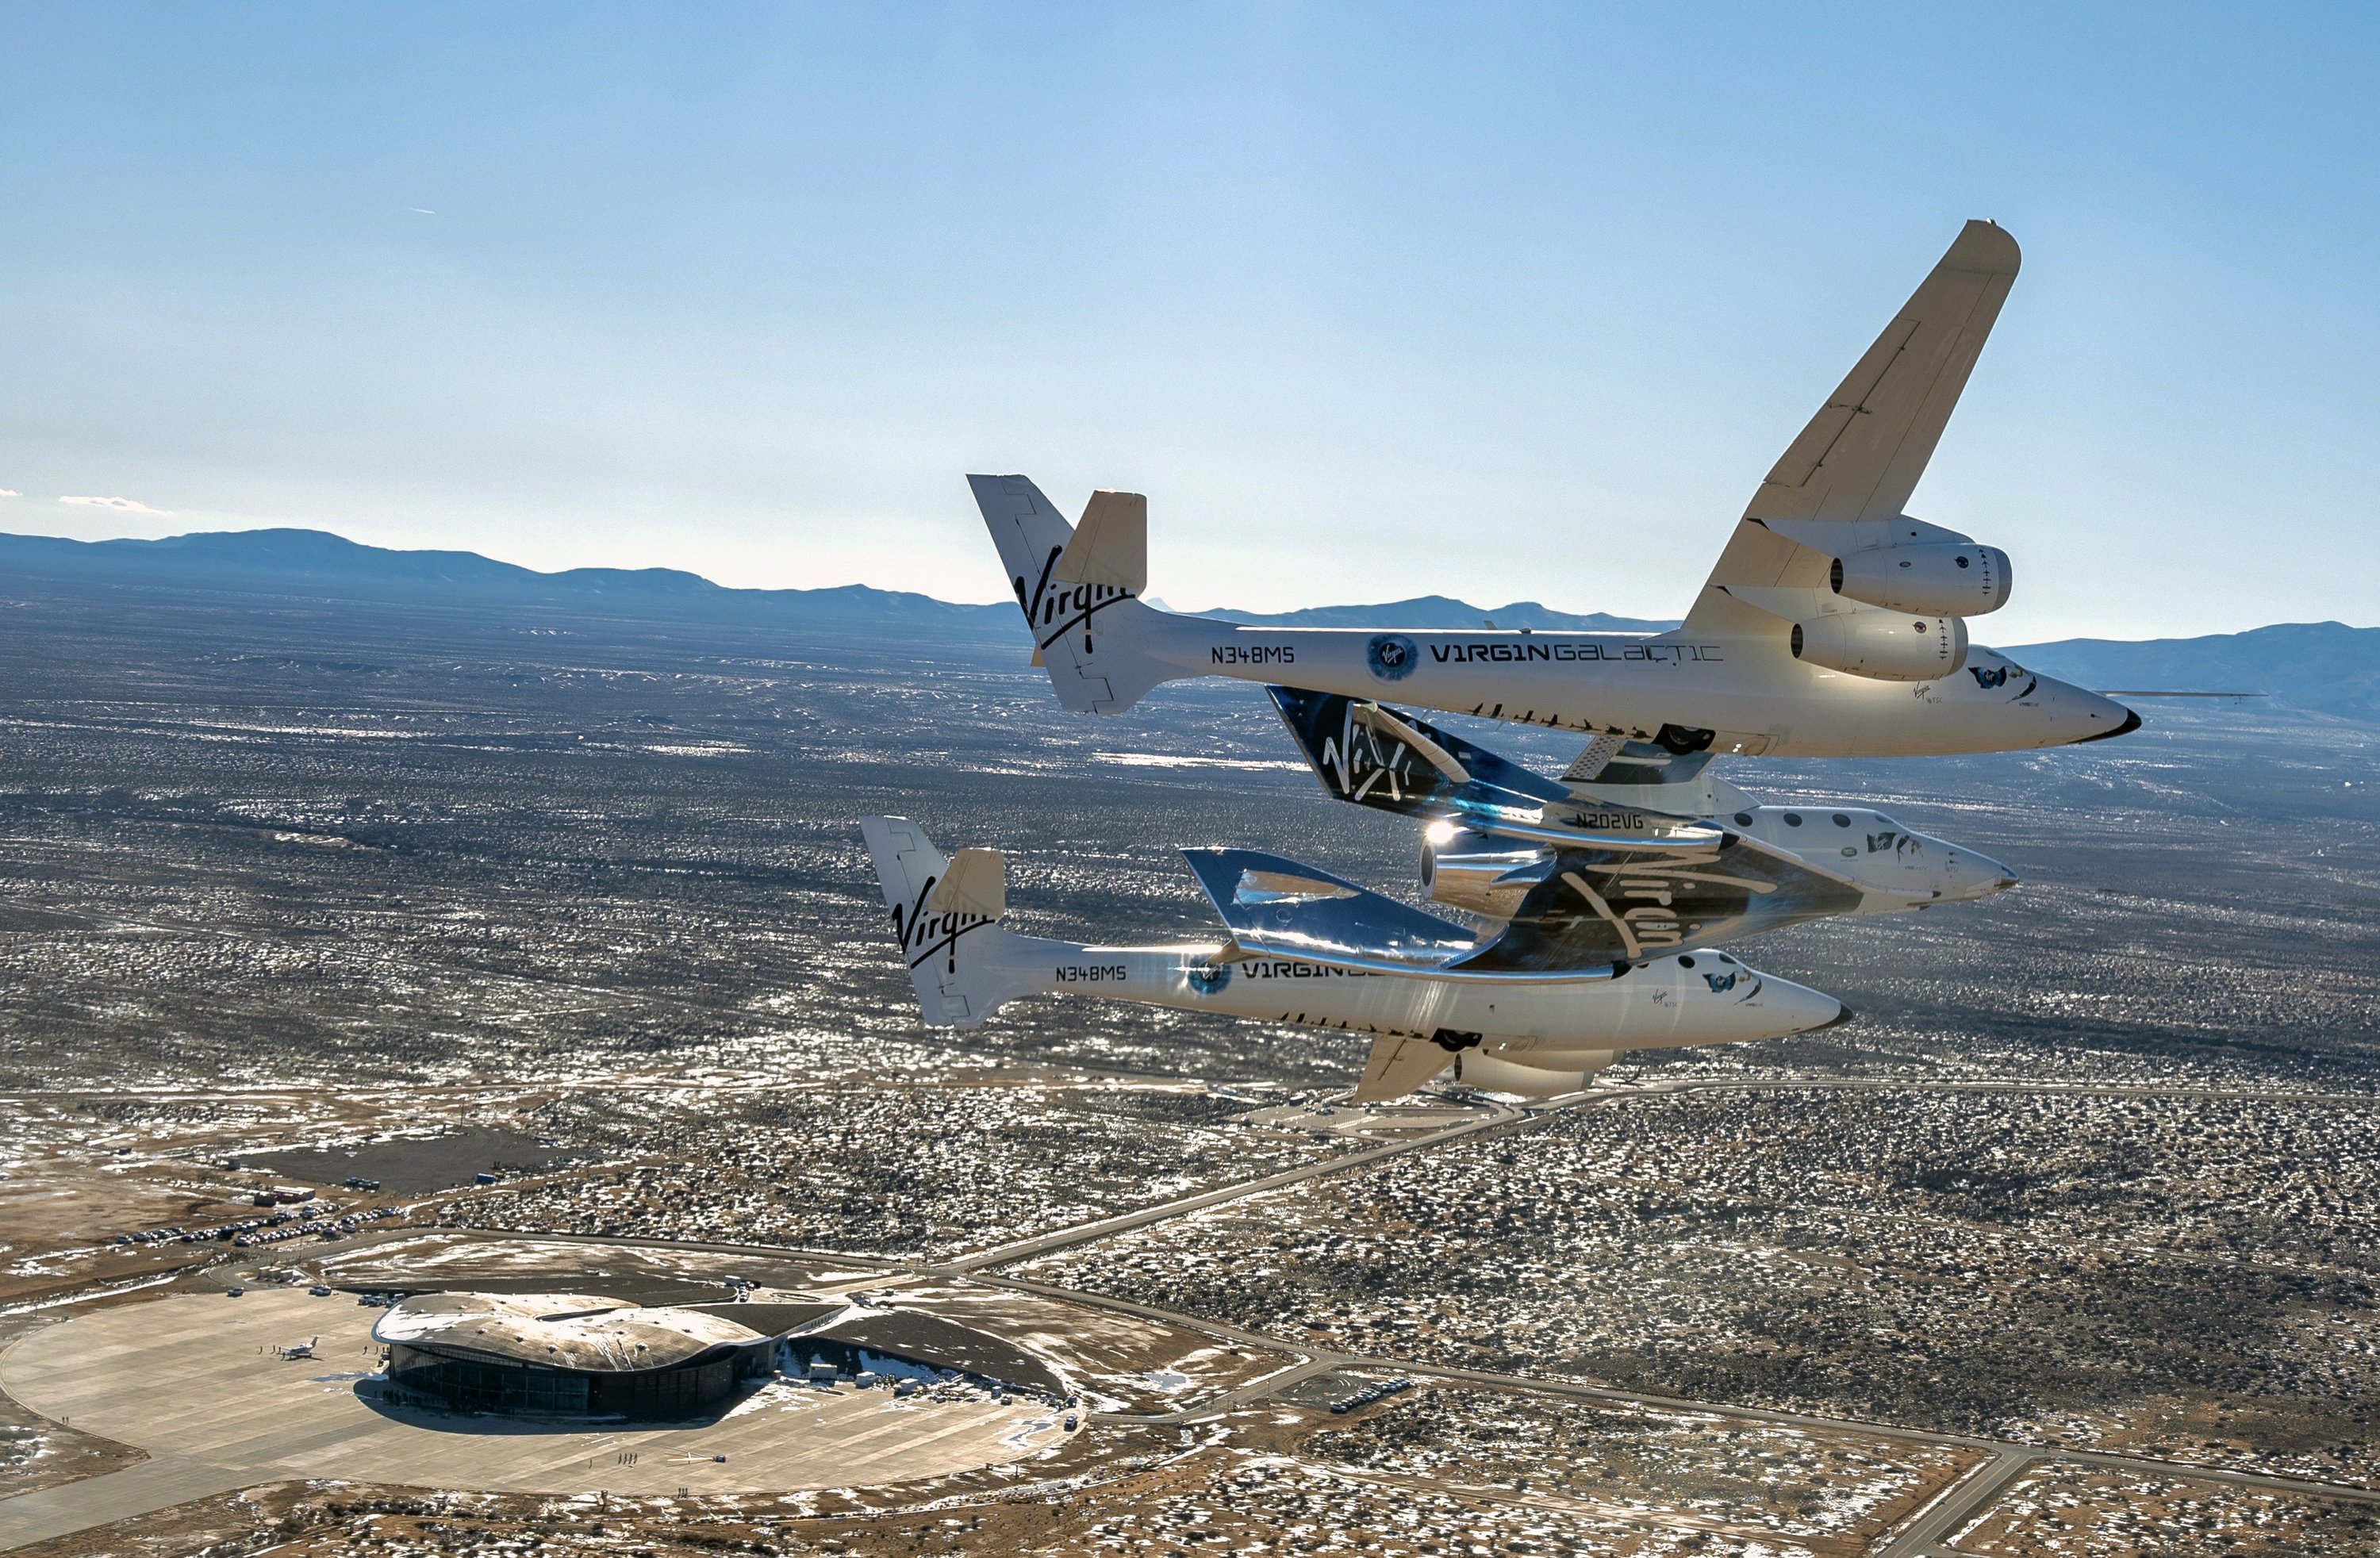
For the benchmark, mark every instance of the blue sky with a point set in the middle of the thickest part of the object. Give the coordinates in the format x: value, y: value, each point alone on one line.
x: 1372, y: 301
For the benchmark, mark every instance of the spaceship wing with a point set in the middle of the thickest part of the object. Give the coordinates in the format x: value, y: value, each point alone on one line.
x: 1383, y: 758
x: 1279, y: 907
x: 1597, y: 907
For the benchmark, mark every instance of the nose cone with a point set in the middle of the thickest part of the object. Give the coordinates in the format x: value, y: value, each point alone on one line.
x: 1785, y: 1007
x: 1973, y: 876
x: 2090, y: 716
x: 2132, y: 722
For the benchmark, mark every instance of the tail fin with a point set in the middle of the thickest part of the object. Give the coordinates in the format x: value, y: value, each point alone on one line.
x: 1080, y: 590
x: 945, y: 913
x: 1381, y: 757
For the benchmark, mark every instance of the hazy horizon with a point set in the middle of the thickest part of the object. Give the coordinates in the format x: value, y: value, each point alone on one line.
x: 1372, y: 302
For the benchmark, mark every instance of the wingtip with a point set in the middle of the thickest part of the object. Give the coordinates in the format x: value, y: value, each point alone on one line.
x: 1985, y: 245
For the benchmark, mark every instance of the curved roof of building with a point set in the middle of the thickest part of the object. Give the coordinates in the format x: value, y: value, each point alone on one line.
x: 561, y: 1329
x: 945, y: 1344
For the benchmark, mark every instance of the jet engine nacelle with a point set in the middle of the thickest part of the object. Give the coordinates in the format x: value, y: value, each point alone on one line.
x: 1883, y: 645
x: 1471, y: 871
x: 1956, y: 578
x: 1507, y: 1068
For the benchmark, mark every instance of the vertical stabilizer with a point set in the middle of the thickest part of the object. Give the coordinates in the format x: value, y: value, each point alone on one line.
x: 1080, y: 590
x: 945, y: 913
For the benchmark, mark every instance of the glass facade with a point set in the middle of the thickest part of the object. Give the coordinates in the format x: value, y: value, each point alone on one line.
x: 491, y: 1385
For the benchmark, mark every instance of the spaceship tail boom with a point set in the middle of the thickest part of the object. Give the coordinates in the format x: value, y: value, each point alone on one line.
x: 946, y: 912
x: 1080, y: 591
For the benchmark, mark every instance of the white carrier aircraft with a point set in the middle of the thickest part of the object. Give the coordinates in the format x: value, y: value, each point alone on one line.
x: 1834, y: 625
x: 1305, y: 947
x: 1644, y: 854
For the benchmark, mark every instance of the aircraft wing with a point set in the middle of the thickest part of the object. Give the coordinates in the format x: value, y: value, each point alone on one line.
x: 1859, y: 459
x: 1397, y: 1066
x: 1597, y: 907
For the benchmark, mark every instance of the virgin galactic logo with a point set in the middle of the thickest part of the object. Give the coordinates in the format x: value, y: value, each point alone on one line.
x: 1391, y: 657
x: 1207, y: 981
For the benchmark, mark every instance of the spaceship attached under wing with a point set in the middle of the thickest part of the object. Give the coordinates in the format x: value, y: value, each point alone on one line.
x: 1635, y: 852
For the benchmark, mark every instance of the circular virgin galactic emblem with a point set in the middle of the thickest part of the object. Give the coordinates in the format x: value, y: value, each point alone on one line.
x: 1207, y: 982
x: 1391, y: 657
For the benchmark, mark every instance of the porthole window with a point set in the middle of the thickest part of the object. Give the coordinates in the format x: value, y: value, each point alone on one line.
x: 1848, y: 850
x: 1841, y: 821
x: 1685, y: 962
x: 1792, y: 819
x: 1744, y: 819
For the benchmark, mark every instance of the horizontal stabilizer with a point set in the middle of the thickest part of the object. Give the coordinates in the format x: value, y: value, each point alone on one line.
x: 1111, y: 546
x: 945, y: 912
x: 1079, y: 589
x: 1397, y: 1066
x: 976, y: 882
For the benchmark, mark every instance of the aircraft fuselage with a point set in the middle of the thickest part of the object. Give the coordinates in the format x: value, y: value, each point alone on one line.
x: 1703, y: 998
x: 1749, y: 694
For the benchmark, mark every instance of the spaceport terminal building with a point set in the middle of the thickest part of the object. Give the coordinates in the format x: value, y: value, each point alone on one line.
x: 575, y: 1355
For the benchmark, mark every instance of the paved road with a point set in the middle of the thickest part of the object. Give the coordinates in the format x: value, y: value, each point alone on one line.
x: 1961, y: 1501
x: 1164, y: 1211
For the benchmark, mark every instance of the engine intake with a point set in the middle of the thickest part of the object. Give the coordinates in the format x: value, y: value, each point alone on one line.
x: 1885, y: 647
x: 1958, y: 578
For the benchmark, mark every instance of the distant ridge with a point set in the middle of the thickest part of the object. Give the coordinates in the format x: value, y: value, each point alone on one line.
x: 318, y: 566
x: 2324, y: 666
x: 1444, y: 611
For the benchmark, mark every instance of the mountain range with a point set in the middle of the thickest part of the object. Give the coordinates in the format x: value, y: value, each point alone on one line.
x: 2325, y: 668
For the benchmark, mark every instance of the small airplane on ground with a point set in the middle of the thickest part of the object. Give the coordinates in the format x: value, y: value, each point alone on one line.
x: 1634, y: 852
x: 1834, y: 625
x: 1308, y: 947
